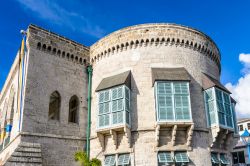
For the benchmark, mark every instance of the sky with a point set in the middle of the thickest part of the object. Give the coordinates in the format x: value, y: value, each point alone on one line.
x: 227, y: 22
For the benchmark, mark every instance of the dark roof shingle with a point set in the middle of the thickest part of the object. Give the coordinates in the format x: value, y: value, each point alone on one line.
x: 170, y: 74
x: 208, y: 82
x: 116, y: 80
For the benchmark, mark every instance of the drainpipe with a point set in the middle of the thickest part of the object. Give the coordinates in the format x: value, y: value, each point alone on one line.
x: 89, y: 71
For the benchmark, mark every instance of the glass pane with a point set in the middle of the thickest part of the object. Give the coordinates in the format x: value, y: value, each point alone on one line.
x: 117, y: 105
x: 127, y: 118
x: 103, y: 120
x: 220, y: 106
x: 229, y: 121
x: 127, y: 105
x: 127, y: 93
x: 210, y: 106
x: 221, y: 118
x: 114, y: 93
x: 120, y: 92
x: 228, y: 109
x: 212, y: 118
x: 209, y: 95
x: 226, y: 98
x: 182, y: 107
x: 117, y: 117
x: 106, y: 96
x: 103, y: 108
x: 164, y: 88
x: 218, y: 94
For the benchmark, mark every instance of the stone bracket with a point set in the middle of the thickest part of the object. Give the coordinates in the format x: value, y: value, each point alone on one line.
x: 157, y: 135
x: 190, y: 135
x: 127, y: 132
x: 101, y: 139
x: 174, y: 129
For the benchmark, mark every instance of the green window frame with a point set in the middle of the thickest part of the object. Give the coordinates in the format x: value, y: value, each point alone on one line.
x: 173, y: 101
x: 124, y: 159
x: 214, y: 158
x: 109, y: 160
x: 219, y: 109
x: 165, y: 157
x: 224, y: 160
x: 114, y: 106
x: 181, y: 157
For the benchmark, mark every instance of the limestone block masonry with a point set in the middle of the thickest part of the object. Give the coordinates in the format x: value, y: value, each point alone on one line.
x: 139, y: 49
x: 57, y: 64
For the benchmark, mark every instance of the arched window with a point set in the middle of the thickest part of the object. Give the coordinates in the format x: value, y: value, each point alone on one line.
x: 73, y: 109
x: 54, y: 106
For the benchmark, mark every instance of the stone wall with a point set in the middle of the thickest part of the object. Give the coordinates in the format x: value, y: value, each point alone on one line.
x: 54, y: 64
x: 139, y: 57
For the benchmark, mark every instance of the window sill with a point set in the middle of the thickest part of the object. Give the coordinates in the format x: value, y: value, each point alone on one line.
x: 222, y: 126
x: 73, y: 124
x: 172, y: 123
x: 118, y: 127
x: 113, y: 131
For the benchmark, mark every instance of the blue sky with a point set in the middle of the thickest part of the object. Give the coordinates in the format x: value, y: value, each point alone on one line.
x: 227, y: 22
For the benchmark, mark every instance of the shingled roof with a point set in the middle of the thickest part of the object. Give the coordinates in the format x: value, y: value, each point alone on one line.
x: 116, y: 80
x: 208, y: 82
x: 170, y: 74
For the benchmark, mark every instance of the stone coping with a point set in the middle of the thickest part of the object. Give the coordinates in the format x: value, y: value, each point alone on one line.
x: 157, y: 35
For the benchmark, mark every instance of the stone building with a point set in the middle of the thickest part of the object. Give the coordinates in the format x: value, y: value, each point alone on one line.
x: 241, y: 151
x: 156, y: 100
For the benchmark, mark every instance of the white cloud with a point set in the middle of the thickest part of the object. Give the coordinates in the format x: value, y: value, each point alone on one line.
x: 55, y: 14
x: 241, y: 90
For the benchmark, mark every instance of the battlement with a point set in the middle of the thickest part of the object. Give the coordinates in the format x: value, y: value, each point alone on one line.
x: 160, y: 34
x: 55, y: 44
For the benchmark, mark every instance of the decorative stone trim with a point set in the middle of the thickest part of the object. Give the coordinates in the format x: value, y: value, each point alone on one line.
x: 57, y: 52
x: 174, y: 42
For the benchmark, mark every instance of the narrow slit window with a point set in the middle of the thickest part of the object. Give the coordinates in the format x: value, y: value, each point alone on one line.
x: 54, y: 106
x: 73, y: 109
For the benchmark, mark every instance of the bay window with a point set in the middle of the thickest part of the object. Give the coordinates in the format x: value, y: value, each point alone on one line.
x: 114, y: 106
x: 219, y: 108
x: 172, y: 101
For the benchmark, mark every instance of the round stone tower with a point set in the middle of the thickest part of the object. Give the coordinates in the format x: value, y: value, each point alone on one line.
x: 141, y: 127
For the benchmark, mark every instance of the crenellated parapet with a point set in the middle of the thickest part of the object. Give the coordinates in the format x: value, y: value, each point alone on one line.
x: 155, y: 35
x: 59, y: 46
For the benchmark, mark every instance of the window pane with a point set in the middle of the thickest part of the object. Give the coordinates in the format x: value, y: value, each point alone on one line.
x: 117, y: 105
x: 226, y: 98
x: 212, y: 118
x: 117, y: 117
x: 127, y: 93
x: 103, y: 108
x: 127, y: 105
x: 166, y: 98
x: 103, y: 120
x: 109, y: 160
x: 181, y: 88
x: 209, y: 95
x: 182, y: 107
x: 165, y: 108
x: 124, y: 159
x: 228, y: 109
x: 220, y: 106
x: 165, y: 157
x: 229, y: 121
x: 218, y: 94
x: 164, y: 88
x: 127, y: 117
x: 221, y: 118
x: 106, y: 96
